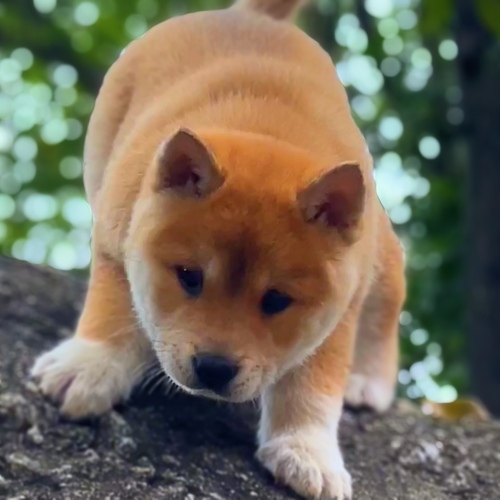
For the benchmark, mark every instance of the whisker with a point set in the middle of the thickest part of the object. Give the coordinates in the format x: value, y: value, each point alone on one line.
x: 161, y: 380
x: 171, y: 387
x: 141, y: 370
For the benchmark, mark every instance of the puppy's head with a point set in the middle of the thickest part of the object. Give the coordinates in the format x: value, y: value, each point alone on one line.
x: 239, y: 260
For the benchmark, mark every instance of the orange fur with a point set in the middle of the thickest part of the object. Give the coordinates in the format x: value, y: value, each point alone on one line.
x: 279, y: 9
x: 267, y: 186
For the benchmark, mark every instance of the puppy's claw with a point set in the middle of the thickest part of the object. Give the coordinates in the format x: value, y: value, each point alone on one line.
x: 313, y: 469
x: 85, y: 378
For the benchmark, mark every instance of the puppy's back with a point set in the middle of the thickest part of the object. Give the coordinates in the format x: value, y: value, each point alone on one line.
x: 234, y: 69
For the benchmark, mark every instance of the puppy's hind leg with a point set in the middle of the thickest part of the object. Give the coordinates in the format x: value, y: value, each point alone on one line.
x: 374, y: 373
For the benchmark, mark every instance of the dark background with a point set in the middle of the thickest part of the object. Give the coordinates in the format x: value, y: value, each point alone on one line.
x: 423, y: 77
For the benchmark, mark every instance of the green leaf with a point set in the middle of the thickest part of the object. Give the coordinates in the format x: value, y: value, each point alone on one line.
x: 489, y: 14
x: 436, y: 16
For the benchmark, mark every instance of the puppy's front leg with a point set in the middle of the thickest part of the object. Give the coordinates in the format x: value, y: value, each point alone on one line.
x: 100, y: 364
x: 300, y: 416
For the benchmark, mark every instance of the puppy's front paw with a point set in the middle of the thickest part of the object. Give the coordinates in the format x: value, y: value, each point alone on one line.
x: 87, y: 378
x: 308, y: 462
x: 373, y: 392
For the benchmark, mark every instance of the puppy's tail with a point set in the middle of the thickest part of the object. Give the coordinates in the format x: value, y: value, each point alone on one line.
x: 277, y: 9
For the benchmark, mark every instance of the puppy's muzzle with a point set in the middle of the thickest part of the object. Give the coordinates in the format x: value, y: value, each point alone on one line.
x: 214, y: 372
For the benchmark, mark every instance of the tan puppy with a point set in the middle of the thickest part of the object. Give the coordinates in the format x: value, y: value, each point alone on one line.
x: 238, y: 237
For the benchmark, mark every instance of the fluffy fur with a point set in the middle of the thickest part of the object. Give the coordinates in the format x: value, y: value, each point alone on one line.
x: 223, y: 141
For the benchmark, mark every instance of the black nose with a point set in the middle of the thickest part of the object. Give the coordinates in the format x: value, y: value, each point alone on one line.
x: 214, y: 372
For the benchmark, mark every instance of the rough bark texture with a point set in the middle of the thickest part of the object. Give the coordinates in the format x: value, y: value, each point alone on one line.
x: 185, y: 448
x: 479, y: 65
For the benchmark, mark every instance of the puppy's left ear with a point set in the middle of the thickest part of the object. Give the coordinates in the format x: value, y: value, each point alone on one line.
x: 336, y: 200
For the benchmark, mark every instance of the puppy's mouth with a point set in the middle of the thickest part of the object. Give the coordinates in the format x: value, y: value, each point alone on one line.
x: 215, y: 377
x: 235, y: 395
x: 206, y: 393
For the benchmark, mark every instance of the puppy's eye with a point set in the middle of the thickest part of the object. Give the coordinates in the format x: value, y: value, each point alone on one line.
x: 274, y: 302
x: 191, y: 280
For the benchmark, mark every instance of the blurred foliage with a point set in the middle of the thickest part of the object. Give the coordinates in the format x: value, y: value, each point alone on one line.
x: 397, y: 59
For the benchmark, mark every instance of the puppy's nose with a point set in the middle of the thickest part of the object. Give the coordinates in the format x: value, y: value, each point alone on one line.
x: 214, y: 372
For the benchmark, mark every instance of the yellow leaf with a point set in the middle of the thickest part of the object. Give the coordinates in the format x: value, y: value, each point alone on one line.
x: 456, y: 411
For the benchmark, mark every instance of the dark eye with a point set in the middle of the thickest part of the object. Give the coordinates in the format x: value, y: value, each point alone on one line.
x: 191, y: 280
x: 274, y: 302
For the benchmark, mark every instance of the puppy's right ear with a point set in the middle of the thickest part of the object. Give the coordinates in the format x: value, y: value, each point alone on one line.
x: 186, y: 167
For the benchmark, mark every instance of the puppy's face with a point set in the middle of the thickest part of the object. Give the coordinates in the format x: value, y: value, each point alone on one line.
x: 239, y: 265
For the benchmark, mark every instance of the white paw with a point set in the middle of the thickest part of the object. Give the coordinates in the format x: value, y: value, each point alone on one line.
x: 309, y: 462
x: 373, y: 392
x: 86, y: 378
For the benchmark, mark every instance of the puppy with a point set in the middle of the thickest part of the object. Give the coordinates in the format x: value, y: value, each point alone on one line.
x: 238, y: 239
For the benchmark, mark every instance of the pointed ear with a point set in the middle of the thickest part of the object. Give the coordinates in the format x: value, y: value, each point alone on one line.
x: 187, y: 167
x: 336, y: 200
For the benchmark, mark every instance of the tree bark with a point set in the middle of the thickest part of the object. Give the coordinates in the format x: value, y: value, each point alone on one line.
x: 184, y: 448
x: 479, y: 66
